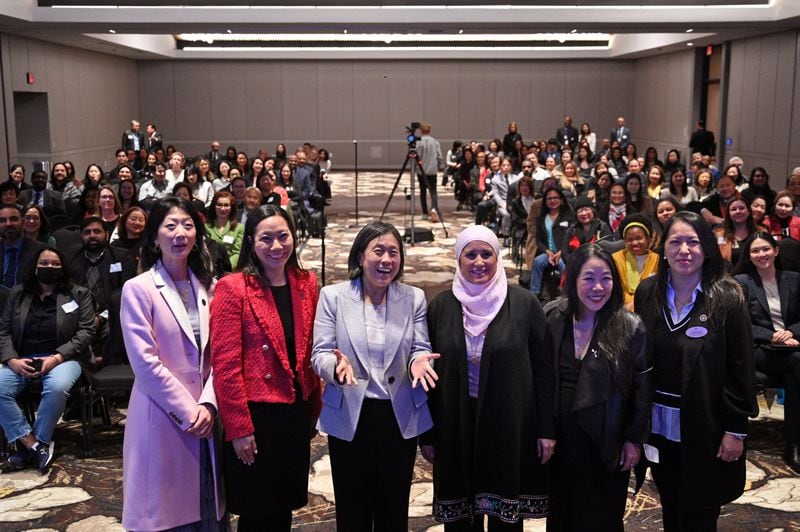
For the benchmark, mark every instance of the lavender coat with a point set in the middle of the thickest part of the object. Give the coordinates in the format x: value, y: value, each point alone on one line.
x: 161, y: 461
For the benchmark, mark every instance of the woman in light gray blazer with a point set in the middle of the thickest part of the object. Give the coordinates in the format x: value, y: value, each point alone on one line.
x: 371, y: 348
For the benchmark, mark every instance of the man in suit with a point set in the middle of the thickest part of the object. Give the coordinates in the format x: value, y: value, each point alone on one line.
x: 48, y: 199
x: 568, y: 134
x: 621, y: 134
x: 214, y: 156
x: 304, y: 182
x: 101, y: 268
x: 154, y: 140
x: 702, y: 140
x: 133, y: 138
x: 18, y: 251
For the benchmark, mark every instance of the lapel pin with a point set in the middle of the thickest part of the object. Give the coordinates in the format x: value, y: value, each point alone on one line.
x: 595, y: 353
x: 703, y: 317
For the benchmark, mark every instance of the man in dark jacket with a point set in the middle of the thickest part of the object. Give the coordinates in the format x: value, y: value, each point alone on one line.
x: 101, y: 268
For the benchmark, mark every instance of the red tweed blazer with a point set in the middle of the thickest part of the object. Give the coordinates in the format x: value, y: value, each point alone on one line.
x: 248, y: 348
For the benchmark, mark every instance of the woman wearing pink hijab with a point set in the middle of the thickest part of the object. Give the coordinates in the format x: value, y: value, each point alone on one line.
x: 493, y: 405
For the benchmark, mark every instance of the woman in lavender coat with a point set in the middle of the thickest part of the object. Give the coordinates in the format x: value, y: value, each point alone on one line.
x: 171, y: 479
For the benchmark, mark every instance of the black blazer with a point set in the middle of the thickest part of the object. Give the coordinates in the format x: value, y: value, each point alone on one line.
x: 74, y: 330
x: 53, y: 202
x: 27, y: 257
x: 718, y: 391
x: 609, y: 414
x: 756, y: 297
x: 116, y: 268
x: 127, y: 139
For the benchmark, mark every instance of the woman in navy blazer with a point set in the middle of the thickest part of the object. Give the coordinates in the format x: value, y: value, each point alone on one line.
x: 776, y: 328
x: 371, y: 348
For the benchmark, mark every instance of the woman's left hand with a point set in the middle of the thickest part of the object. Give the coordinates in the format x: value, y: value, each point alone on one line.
x: 730, y: 449
x: 422, y: 372
x: 202, y: 423
x: 546, y: 447
x: 629, y: 456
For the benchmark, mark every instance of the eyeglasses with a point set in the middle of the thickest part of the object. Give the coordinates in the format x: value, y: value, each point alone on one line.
x: 553, y: 198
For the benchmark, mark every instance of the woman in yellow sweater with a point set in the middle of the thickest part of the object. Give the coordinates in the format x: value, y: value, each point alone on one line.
x: 636, y: 262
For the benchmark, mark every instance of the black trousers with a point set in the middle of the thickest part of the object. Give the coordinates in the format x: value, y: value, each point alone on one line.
x: 372, y: 474
x: 667, y: 475
x: 428, y: 183
x: 784, y: 363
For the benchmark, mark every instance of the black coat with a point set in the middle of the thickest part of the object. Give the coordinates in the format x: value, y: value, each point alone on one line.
x: 609, y: 414
x: 53, y: 202
x: 756, y: 297
x: 26, y: 260
x: 717, y: 392
x: 115, y: 268
x: 494, y: 469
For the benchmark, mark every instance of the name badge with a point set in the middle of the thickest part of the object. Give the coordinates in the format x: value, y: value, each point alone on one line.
x: 115, y: 267
x: 227, y: 239
x: 696, y: 332
x: 72, y: 306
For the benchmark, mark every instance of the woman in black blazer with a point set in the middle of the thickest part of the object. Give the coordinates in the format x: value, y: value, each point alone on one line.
x: 604, y: 390
x: 703, y: 373
x: 45, y: 331
x: 773, y: 300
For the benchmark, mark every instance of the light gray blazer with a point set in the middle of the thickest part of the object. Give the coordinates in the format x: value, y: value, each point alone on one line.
x: 339, y: 324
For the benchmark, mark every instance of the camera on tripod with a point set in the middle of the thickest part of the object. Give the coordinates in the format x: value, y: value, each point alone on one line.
x: 412, y: 137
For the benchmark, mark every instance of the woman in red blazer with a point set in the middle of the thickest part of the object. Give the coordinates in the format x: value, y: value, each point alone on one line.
x: 262, y: 321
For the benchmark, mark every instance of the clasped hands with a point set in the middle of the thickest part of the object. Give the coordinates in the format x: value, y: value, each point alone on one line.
x: 784, y: 337
x: 23, y: 367
x: 422, y: 371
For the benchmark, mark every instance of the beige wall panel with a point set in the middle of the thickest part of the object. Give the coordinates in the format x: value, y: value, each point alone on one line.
x: 193, y: 101
x: 300, y: 109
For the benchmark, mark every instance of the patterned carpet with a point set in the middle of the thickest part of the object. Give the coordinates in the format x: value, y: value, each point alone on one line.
x: 85, y: 494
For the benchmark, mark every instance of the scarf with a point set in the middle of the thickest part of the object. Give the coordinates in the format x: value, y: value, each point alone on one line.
x: 480, y: 303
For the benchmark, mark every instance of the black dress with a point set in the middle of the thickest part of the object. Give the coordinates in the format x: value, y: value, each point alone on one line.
x: 278, y: 479
x: 584, y: 494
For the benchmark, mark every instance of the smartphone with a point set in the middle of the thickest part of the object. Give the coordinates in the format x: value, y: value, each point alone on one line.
x: 37, y: 364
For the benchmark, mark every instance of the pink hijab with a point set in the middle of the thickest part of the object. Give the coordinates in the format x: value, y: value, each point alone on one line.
x: 480, y: 303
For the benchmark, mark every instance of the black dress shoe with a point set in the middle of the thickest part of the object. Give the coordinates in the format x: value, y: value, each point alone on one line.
x: 792, y: 457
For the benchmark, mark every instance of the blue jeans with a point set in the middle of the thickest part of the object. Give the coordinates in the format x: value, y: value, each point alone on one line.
x: 56, y: 385
x: 540, y: 264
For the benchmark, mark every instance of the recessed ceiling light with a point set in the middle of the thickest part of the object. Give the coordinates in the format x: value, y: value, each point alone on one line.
x: 690, y: 30
x: 574, y: 30
x: 112, y: 31
x: 689, y: 44
x: 345, y: 32
x: 460, y: 32
x: 229, y: 31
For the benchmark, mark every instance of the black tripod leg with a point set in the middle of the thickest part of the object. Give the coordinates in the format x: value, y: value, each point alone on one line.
x: 394, y: 188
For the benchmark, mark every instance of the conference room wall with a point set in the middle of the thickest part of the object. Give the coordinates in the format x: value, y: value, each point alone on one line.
x: 663, y: 103
x: 763, y: 112
x: 91, y: 98
x: 253, y: 104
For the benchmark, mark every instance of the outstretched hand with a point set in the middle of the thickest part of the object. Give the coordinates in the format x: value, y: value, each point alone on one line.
x: 344, y: 370
x: 422, y: 371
